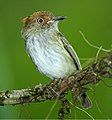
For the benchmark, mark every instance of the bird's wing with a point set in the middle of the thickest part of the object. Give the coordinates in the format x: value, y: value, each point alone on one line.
x: 70, y: 50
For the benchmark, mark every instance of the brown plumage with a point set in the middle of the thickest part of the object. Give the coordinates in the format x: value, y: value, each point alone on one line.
x: 45, y: 15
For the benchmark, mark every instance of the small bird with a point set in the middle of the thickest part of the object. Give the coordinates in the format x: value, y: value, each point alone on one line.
x: 48, y: 48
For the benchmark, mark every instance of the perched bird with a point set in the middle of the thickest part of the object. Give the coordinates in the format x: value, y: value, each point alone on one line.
x: 47, y: 47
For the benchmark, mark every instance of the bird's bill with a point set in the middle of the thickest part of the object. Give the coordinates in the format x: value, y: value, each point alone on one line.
x: 57, y: 18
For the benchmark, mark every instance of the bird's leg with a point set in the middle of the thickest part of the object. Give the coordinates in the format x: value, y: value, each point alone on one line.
x: 53, y: 82
x: 56, y: 81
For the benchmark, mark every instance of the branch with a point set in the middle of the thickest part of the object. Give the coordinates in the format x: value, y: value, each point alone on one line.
x: 58, y: 89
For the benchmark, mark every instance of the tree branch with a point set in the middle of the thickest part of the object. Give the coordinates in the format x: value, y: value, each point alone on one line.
x: 58, y: 89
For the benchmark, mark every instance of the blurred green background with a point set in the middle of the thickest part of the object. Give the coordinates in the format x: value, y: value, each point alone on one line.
x: 93, y: 17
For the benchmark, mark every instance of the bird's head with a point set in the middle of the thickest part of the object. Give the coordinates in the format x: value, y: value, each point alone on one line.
x: 41, y: 20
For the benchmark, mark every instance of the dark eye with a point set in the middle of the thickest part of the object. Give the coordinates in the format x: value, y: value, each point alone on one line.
x: 40, y: 20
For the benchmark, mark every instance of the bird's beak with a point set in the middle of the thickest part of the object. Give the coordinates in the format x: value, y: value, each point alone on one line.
x: 57, y: 18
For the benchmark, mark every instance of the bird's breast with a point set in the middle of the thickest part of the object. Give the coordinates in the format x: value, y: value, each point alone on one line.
x: 50, y: 57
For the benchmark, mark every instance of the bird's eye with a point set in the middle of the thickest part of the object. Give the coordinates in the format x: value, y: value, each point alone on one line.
x: 40, y: 20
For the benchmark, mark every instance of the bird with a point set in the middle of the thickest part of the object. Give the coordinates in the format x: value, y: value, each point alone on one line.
x: 47, y: 47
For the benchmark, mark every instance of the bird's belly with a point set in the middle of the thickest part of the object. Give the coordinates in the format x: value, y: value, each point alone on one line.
x: 53, y: 61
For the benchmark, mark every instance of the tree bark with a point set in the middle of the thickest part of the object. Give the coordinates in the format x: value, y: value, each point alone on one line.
x: 58, y: 89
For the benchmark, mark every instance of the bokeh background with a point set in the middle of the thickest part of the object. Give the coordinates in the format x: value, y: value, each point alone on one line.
x: 93, y: 17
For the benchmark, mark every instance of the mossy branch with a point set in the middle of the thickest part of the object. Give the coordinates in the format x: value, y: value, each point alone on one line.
x: 58, y: 89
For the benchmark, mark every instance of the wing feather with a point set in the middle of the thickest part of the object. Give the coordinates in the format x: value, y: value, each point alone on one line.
x: 70, y: 50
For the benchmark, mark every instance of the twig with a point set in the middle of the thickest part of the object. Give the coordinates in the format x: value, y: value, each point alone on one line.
x: 94, y: 46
